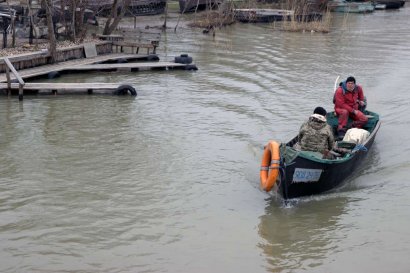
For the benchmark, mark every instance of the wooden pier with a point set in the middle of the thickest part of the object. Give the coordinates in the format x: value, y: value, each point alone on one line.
x: 131, y: 66
x: 44, y: 70
x: 107, y: 62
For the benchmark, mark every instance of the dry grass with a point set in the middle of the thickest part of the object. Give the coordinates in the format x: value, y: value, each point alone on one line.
x: 295, y: 25
x: 211, y: 19
x: 301, y: 22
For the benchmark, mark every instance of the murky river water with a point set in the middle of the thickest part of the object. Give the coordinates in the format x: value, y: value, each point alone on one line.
x: 169, y: 181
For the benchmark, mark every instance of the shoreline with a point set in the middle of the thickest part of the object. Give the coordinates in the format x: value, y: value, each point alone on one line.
x: 142, y: 22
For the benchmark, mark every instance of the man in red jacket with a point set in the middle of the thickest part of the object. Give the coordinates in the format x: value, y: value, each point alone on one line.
x: 348, y: 98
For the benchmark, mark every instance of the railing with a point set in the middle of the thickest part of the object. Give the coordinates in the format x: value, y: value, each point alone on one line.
x: 10, y: 67
x: 134, y: 38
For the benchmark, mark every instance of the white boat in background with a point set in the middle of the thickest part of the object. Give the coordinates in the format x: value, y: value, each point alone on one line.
x: 391, y: 4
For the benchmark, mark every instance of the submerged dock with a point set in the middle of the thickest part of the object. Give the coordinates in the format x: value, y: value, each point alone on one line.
x: 86, y: 88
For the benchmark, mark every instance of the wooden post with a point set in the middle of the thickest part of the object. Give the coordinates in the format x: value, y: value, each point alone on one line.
x: 20, y: 92
x: 20, y: 80
x: 13, y: 26
x: 8, y: 80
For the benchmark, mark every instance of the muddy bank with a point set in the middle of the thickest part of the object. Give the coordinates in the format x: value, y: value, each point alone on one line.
x: 170, y: 21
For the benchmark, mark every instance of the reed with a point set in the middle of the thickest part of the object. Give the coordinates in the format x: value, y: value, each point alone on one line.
x: 299, y: 24
x: 214, y: 17
x: 211, y: 19
x: 223, y: 14
x: 302, y: 19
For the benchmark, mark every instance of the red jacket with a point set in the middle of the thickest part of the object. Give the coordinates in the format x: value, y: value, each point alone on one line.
x: 348, y: 100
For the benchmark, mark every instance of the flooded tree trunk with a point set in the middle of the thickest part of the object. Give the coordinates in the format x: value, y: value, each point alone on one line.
x: 109, y: 27
x: 164, y: 26
x: 52, y: 44
x: 73, y: 20
x: 33, y: 32
x: 5, y: 25
x: 81, y: 29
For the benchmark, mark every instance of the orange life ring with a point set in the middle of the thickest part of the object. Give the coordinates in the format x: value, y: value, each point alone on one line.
x: 270, y: 165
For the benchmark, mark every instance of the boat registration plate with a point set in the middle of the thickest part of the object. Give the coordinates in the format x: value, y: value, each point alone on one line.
x: 306, y: 175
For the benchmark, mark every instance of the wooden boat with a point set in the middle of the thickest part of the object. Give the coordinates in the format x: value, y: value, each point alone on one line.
x: 391, y: 4
x: 302, y: 173
x: 192, y: 5
x: 350, y: 7
x: 136, y: 7
x: 262, y: 15
x: 273, y: 15
x: 100, y: 6
x: 147, y: 7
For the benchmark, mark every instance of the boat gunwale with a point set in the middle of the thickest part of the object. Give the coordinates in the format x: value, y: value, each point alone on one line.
x: 309, y: 156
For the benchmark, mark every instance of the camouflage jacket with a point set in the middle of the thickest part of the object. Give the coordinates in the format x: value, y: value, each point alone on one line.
x: 316, y: 135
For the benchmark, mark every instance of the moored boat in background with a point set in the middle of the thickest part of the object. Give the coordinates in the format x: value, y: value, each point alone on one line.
x: 391, y: 4
x: 135, y: 8
x: 100, y: 6
x: 147, y: 7
x: 193, y: 5
x: 273, y: 15
x: 262, y: 15
x: 350, y: 7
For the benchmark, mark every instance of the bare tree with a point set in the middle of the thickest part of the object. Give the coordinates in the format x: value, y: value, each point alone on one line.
x: 71, y: 14
x: 164, y: 26
x: 52, y: 43
x: 114, y: 16
x: 80, y: 22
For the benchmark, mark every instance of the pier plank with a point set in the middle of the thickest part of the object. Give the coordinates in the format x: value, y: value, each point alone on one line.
x: 64, y: 86
x: 45, y: 69
x: 146, y: 65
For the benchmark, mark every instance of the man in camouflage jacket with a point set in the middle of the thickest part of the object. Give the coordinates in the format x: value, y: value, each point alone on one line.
x: 315, y: 134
